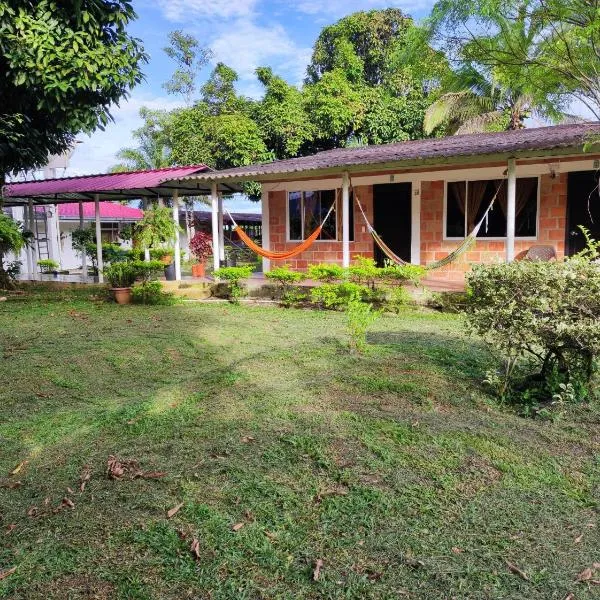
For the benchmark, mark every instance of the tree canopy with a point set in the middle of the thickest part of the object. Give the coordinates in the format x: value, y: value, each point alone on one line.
x: 63, y: 65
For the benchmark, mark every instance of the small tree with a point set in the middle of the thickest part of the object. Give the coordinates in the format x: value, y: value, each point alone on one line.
x: 13, y: 238
x: 201, y: 246
x: 156, y: 228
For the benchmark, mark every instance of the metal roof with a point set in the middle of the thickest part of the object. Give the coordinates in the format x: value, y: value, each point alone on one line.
x: 112, y: 186
x: 109, y: 211
x: 446, y: 150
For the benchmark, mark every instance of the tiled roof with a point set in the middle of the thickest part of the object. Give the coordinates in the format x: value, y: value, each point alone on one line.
x: 432, y: 150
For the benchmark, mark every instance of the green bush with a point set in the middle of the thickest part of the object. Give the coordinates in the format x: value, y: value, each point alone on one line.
x: 397, y: 299
x: 337, y: 295
x: 47, y: 265
x: 364, y: 271
x: 326, y: 272
x: 151, y: 292
x: 286, y: 278
x: 145, y: 271
x: 543, y: 318
x: 121, y: 274
x: 393, y: 273
x: 233, y: 276
x: 359, y: 317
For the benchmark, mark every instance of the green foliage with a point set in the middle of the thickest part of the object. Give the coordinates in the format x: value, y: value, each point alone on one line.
x: 151, y: 292
x: 364, y: 270
x: 146, y: 271
x: 121, y: 274
x: 64, y: 64
x: 400, y: 273
x: 359, y: 317
x: 13, y: 238
x: 326, y: 272
x: 155, y: 228
x: 47, y: 265
x: 284, y: 276
x: 337, y: 296
x: 233, y: 276
x: 82, y: 238
x: 189, y: 57
x: 543, y: 318
x: 398, y: 299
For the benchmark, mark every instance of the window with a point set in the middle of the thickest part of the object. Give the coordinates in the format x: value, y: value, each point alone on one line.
x: 467, y: 201
x: 306, y: 211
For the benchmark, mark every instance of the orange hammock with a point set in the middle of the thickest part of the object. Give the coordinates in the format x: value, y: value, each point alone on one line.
x: 307, y: 243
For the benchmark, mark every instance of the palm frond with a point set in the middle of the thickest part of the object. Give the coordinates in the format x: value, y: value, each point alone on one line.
x: 482, y: 122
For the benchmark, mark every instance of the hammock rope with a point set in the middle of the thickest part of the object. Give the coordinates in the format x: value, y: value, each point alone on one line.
x: 463, y: 247
x: 307, y: 243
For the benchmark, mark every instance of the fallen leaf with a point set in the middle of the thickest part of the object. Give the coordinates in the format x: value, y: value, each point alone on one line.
x: 19, y: 467
x: 33, y: 511
x: 152, y: 474
x: 578, y: 538
x: 46, y: 501
x: 237, y: 526
x: 247, y: 439
x: 84, y: 477
x: 4, y: 574
x: 114, y: 468
x: 270, y: 535
x: 514, y: 569
x: 42, y: 395
x: 70, y: 491
x: 317, y: 570
x: 10, y: 529
x: 68, y: 502
x: 569, y: 596
x: 456, y: 550
x: 585, y: 575
x: 596, y: 565
x: 195, y: 548
x: 11, y: 485
x: 174, y: 510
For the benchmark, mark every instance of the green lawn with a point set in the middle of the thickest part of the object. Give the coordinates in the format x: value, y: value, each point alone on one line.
x: 393, y: 468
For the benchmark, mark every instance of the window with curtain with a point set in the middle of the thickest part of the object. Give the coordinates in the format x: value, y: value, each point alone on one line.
x: 306, y: 211
x: 467, y: 201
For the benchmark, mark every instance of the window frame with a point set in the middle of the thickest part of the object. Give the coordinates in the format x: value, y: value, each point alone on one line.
x: 334, y: 216
x: 533, y: 238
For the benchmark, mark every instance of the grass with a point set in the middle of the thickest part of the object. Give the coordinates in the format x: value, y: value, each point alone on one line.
x: 394, y: 468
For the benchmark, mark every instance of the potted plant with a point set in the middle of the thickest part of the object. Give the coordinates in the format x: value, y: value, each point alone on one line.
x: 201, y: 248
x: 47, y: 265
x: 121, y: 276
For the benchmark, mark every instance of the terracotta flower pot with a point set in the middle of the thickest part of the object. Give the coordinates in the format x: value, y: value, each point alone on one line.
x: 167, y: 259
x: 122, y: 295
x: 198, y: 270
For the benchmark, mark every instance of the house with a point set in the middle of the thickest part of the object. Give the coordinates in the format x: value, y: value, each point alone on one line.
x: 423, y: 197
x: 55, y: 223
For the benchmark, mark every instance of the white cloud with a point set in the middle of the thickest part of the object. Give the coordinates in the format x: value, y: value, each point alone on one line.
x: 339, y: 8
x: 183, y: 10
x: 96, y: 153
x: 245, y: 45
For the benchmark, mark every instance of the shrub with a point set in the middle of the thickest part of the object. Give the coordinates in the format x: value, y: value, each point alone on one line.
x: 326, y: 272
x: 545, y: 312
x: 338, y: 295
x: 47, y: 265
x: 201, y: 246
x: 364, y: 271
x: 121, y: 274
x: 233, y: 276
x: 145, y: 271
x: 393, y: 273
x: 151, y: 292
x: 398, y: 298
x: 286, y: 278
x: 359, y: 317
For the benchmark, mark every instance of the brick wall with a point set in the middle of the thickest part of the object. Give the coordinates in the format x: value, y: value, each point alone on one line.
x: 552, y: 223
x: 320, y: 251
x: 551, y: 229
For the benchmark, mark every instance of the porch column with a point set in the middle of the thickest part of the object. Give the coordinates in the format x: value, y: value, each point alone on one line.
x: 84, y: 270
x: 177, y: 246
x: 266, y: 241
x: 214, y: 199
x: 346, y: 220
x: 221, y: 232
x: 27, y: 248
x: 33, y: 249
x: 511, y: 194
x: 98, y: 239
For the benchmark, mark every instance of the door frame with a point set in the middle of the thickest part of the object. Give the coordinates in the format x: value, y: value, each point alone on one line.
x: 568, y: 238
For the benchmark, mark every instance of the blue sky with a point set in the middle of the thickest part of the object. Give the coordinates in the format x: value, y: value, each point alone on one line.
x: 244, y: 34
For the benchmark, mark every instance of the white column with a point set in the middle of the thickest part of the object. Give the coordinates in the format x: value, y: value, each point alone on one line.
x: 345, y: 220
x: 266, y: 238
x: 177, y: 244
x: 98, y: 239
x: 214, y: 198
x: 84, y: 269
x: 415, y: 238
x: 146, y: 250
x: 27, y: 249
x: 221, y: 232
x: 33, y: 248
x: 511, y: 194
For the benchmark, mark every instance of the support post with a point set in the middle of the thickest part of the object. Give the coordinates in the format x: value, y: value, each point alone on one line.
x: 177, y: 244
x: 511, y: 194
x: 221, y: 232
x: 266, y: 237
x: 98, y: 239
x: 346, y: 220
x: 33, y: 248
x: 84, y: 269
x: 214, y: 198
